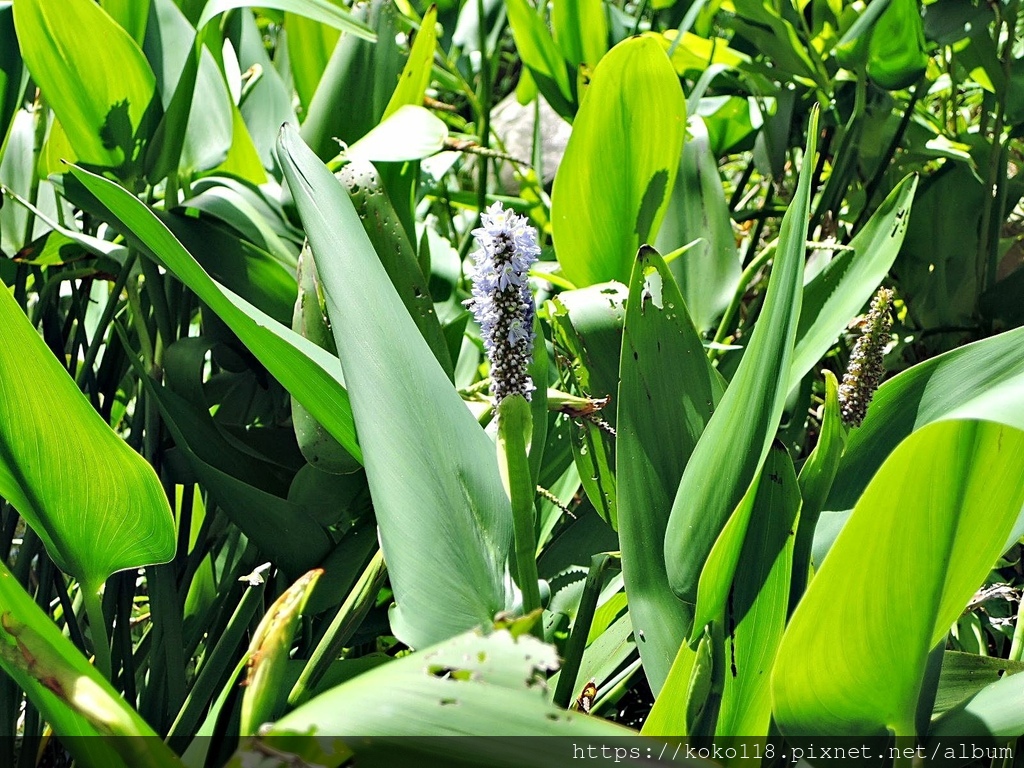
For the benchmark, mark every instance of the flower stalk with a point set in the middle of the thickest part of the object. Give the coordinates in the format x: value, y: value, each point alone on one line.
x: 503, y: 306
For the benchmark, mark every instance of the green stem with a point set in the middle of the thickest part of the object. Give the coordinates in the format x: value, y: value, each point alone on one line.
x: 1017, y: 644
x: 350, y: 615
x: 483, y: 138
x: 514, y: 428
x: 581, y: 629
x: 92, y: 597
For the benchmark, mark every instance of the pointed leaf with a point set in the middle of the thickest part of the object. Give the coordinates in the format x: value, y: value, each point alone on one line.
x: 97, y: 505
x: 666, y: 395
x: 602, y: 212
x: 304, y: 369
x: 732, y: 449
x: 923, y: 536
x: 423, y: 449
x: 107, y: 119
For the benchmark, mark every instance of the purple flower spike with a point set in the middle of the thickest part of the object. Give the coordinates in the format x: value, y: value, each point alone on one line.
x: 502, y: 303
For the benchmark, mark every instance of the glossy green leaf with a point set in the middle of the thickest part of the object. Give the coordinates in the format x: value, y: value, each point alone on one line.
x: 80, y: 706
x: 996, y: 710
x: 310, y: 44
x: 667, y: 393
x: 304, y: 369
x: 109, y: 120
x: 410, y: 133
x: 396, y: 252
x: 580, y: 30
x: 131, y: 15
x: 416, y: 74
x: 732, y: 449
x: 439, y: 462
x: 708, y: 273
x: 922, y: 537
x: 319, y: 10
x: 896, y: 52
x: 540, y: 55
x: 755, y: 611
x: 97, y: 505
x: 602, y: 212
x: 468, y: 686
x: 966, y: 674
x: 978, y: 381
x: 361, y: 75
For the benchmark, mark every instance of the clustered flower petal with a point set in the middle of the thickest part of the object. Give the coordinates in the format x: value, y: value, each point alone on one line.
x: 502, y: 303
x: 865, y: 371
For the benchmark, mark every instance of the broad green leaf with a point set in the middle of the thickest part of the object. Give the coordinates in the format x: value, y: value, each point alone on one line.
x: 847, y: 282
x: 81, y: 707
x: 966, y: 674
x: 396, y: 252
x: 755, y: 612
x: 305, y: 370
x: 310, y: 44
x: 416, y: 74
x: 103, y: 94
x: 356, y: 87
x: 468, y: 686
x: 130, y: 14
x: 732, y: 449
x: 923, y: 536
x: 982, y: 380
x: 775, y: 38
x: 410, y: 133
x: 996, y: 710
x: 666, y: 395
x: 896, y: 51
x: 540, y: 55
x: 668, y: 716
x: 601, y: 211
x: 709, y: 272
x: 97, y: 505
x: 436, y: 460
x: 323, y: 11
x: 580, y: 29
x: 695, y: 53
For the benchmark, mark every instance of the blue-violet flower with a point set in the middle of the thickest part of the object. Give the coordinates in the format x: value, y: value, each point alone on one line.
x: 502, y: 303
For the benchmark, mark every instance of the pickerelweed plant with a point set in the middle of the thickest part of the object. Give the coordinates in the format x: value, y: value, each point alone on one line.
x: 271, y: 463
